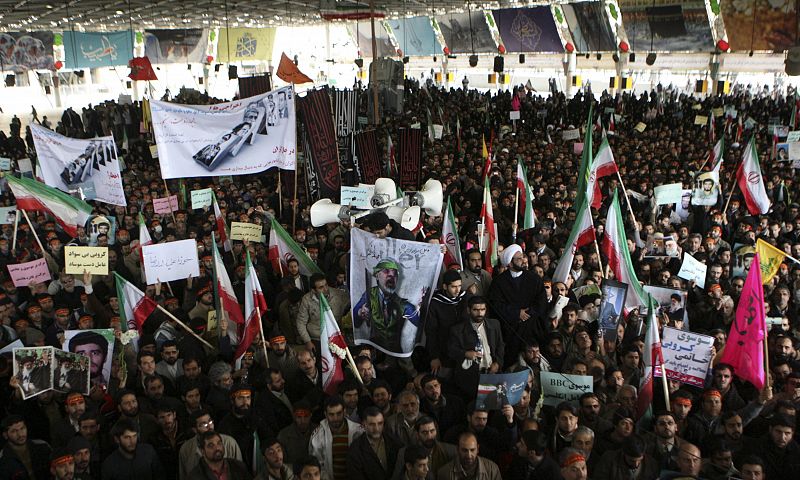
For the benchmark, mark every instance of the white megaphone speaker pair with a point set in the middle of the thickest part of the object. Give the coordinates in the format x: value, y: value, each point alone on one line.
x: 385, y: 192
x: 324, y: 212
x: 430, y: 198
x: 407, y: 217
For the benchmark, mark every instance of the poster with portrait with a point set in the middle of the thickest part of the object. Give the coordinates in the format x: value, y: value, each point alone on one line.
x: 98, y: 346
x: 391, y: 283
x: 675, y: 26
x: 415, y: 36
x: 71, y: 164
x: 71, y: 372
x: 20, y: 51
x: 33, y: 370
x: 706, y: 188
x: 589, y: 26
x: 671, y: 302
x: 466, y: 32
x: 185, y: 45
x: 235, y: 138
x: 361, y: 33
x: 611, y: 307
x: 498, y: 390
x: 683, y: 209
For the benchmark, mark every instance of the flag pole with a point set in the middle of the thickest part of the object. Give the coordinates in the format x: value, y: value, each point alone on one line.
x: 261, y: 329
x: 16, y: 225
x: 352, y: 364
x: 294, y: 196
x: 516, y: 215
x: 170, y: 207
x: 35, y: 235
x: 730, y: 195
x: 627, y: 200
x: 191, y: 332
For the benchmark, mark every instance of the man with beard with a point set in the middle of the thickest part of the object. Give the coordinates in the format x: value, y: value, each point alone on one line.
x: 280, y: 357
x: 171, y: 366
x: 330, y: 441
x: 427, y: 436
x: 630, y: 462
x: 663, y: 445
x: 373, y: 455
x: 297, y: 435
x: 778, y: 450
x: 132, y: 459
x: 21, y: 457
x: 732, y: 430
x: 86, y: 468
x: 190, y: 454
x: 307, y: 381
x: 589, y: 415
x: 447, y: 308
x: 62, y: 464
x: 401, y: 424
x: 169, y: 438
x: 532, y: 460
x: 447, y: 410
x: 128, y: 405
x: 94, y: 346
x: 205, y: 303
x: 64, y: 430
x: 242, y: 423
x: 477, y: 276
x: 308, y: 315
x: 275, y: 467
x: 214, y: 465
x: 518, y: 299
x: 274, y: 400
x: 476, y: 347
x: 467, y: 463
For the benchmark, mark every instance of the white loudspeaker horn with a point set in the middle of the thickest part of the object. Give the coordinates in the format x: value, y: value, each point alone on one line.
x: 324, y: 212
x: 430, y: 197
x: 406, y: 217
x: 385, y: 192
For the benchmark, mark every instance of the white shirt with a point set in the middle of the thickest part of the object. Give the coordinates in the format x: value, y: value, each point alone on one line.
x: 486, y: 360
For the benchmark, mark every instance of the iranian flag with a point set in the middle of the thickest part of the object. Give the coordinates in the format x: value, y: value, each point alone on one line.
x: 34, y: 196
x: 489, y: 229
x: 223, y: 288
x: 602, y: 166
x: 652, y: 359
x: 586, y: 160
x: 525, y: 195
x: 612, y: 126
x: 222, y: 230
x: 255, y: 305
x: 615, y: 248
x: 751, y: 182
x: 452, y: 253
x: 582, y: 234
x: 134, y: 305
x: 282, y: 248
x: 333, y: 348
x: 715, y: 155
x: 144, y: 234
x: 487, y: 158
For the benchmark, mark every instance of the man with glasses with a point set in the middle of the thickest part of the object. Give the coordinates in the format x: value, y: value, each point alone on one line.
x: 190, y: 455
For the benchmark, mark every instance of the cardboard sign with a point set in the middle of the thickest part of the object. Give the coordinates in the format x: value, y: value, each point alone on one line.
x: 437, y: 131
x: 166, y: 204
x: 794, y: 136
x: 245, y: 231
x: 573, y: 134
x: 5, y: 164
x: 24, y: 165
x: 8, y: 215
x: 170, y: 261
x: 717, y: 112
x: 93, y: 260
x: 560, y: 387
x: 577, y: 148
x: 687, y: 356
x: 640, y: 127
x: 202, y: 198
x: 153, y: 151
x: 35, y: 271
x: 670, y: 193
x: 513, y: 115
x: 358, y: 197
x: 700, y: 120
x: 692, y: 269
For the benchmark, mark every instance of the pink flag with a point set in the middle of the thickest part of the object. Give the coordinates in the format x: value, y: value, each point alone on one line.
x: 745, y: 347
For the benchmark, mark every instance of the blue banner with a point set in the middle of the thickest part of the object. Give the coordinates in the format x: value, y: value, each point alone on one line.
x: 97, y: 49
x: 415, y: 36
x: 528, y: 29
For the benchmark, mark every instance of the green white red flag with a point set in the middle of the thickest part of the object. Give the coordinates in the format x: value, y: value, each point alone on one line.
x: 283, y: 248
x: 332, y: 348
x: 255, y: 305
x: 134, y: 305
x: 34, y: 196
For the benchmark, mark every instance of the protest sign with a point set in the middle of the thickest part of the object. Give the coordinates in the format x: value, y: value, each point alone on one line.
x: 5, y: 164
x: 561, y: 387
x: 670, y: 193
x: 687, y: 356
x: 93, y: 260
x: 577, y: 148
x: 245, y: 231
x: 70, y: 164
x: 700, y: 120
x: 640, y: 127
x: 613, y: 302
x: 166, y: 204
x: 497, y: 390
x: 24, y: 165
x: 7, y: 215
x: 170, y: 261
x: 358, y: 197
x: 242, y: 137
x: 717, y: 112
x: 98, y: 346
x: 671, y: 302
x: 793, y: 136
x: 202, y: 198
x: 794, y: 150
x: 513, y: 115
x: 403, y: 271
x: 70, y: 372
x: 35, y: 271
x: 437, y: 131
x: 153, y: 151
x: 572, y: 134
x: 782, y: 152
x: 33, y: 369
x: 692, y: 269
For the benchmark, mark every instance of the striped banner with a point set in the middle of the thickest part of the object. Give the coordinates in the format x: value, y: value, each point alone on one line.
x: 409, y: 158
x: 369, y: 156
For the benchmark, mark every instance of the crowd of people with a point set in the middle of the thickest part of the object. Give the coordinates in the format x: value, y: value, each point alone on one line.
x: 171, y: 407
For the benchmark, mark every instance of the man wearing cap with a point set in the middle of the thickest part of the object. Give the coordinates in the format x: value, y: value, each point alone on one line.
x: 22, y: 457
x: 447, y: 308
x: 383, y: 313
x: 68, y: 427
x: 308, y: 314
x: 517, y: 298
x: 86, y: 468
x: 62, y: 464
x: 54, y: 336
x: 243, y: 423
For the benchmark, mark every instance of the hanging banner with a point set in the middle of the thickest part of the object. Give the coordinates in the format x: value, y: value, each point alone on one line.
x: 391, y: 284
x: 675, y: 27
x: 528, y: 29
x: 321, y: 148
x: 186, y: 45
x: 234, y: 138
x: 772, y: 26
x: 466, y: 32
x: 361, y: 33
x: 21, y: 51
x: 589, y: 26
x: 71, y: 164
x: 97, y: 49
x: 415, y: 36
x: 409, y: 158
x: 369, y: 156
x: 246, y: 44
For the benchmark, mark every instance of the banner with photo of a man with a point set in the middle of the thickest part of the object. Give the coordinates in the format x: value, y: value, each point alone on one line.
x: 70, y: 164
x: 235, y: 138
x: 498, y: 390
x: 611, y: 306
x: 391, y: 283
x: 71, y: 372
x: 98, y: 346
x: 33, y: 371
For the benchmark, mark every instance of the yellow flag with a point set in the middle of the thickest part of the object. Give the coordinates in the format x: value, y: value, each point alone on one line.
x: 485, y: 150
x: 771, y: 259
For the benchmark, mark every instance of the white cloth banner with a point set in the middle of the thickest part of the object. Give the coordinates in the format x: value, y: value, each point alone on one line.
x: 391, y: 283
x: 169, y: 261
x: 69, y: 164
x: 235, y: 138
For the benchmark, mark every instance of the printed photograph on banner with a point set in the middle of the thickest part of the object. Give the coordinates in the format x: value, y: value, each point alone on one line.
x: 235, y: 138
x: 498, y: 390
x: 741, y: 260
x: 184, y: 45
x: 611, y: 306
x: 685, y: 206
x: 96, y: 345
x: 671, y: 302
x: 71, y: 372
x: 20, y: 51
x: 102, y: 230
x: 782, y: 152
x: 660, y: 246
x: 391, y: 284
x: 706, y: 189
x: 71, y: 165
x: 33, y: 371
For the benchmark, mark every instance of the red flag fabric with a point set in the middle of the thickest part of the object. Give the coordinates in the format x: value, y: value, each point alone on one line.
x: 289, y: 73
x: 141, y: 69
x: 744, y: 350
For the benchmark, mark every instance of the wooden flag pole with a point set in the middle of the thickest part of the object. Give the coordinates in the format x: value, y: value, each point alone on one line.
x: 516, y: 216
x: 35, y: 235
x: 14, y: 239
x: 191, y: 332
x: 170, y: 207
x: 261, y: 330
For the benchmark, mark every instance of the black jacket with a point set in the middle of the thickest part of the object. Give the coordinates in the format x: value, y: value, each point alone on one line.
x: 507, y: 297
x: 363, y: 463
x: 443, y: 313
x: 11, y: 467
x: 144, y: 465
x: 463, y: 338
x: 521, y: 469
